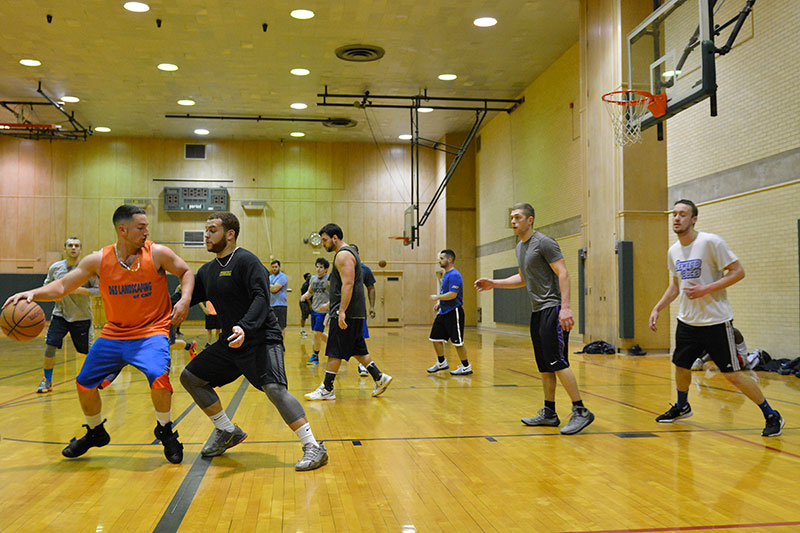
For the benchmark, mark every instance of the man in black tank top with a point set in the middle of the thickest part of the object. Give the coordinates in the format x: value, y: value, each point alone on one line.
x: 347, y: 312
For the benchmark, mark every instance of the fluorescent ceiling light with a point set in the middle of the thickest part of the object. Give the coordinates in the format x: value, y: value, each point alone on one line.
x: 201, y: 131
x: 169, y: 67
x: 136, y: 7
x: 186, y: 101
x: 102, y: 129
x: 404, y: 137
x: 447, y: 77
x: 70, y: 99
x: 300, y: 71
x: 30, y: 62
x: 297, y: 134
x: 485, y: 22
x: 302, y: 14
x: 425, y: 109
x: 298, y: 105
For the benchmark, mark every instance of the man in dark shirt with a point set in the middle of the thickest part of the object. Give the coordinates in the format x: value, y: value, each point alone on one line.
x: 369, y: 283
x: 251, y: 343
x: 347, y: 312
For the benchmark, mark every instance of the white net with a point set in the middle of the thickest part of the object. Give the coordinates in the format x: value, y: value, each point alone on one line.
x: 626, y: 111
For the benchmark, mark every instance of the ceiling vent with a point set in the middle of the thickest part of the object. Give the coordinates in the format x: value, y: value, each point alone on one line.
x: 339, y: 123
x: 360, y: 52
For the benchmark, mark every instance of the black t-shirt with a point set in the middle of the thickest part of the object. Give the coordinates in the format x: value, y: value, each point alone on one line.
x: 239, y: 291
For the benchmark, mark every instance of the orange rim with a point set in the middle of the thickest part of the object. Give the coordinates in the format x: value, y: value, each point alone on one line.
x: 610, y: 97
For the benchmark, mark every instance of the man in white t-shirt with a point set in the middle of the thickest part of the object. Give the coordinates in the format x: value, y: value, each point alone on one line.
x: 702, y: 267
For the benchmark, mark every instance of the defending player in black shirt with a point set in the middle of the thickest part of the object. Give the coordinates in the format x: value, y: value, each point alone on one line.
x: 251, y: 342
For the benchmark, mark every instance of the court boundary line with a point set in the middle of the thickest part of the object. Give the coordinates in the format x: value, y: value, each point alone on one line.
x: 688, y: 528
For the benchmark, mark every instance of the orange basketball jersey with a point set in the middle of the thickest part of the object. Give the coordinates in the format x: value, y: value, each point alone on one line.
x: 137, y: 304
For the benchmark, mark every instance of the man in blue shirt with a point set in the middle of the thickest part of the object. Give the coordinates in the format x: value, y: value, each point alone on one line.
x: 449, y: 323
x: 278, y: 282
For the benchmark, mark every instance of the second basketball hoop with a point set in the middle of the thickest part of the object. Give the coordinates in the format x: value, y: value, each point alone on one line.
x: 627, y: 109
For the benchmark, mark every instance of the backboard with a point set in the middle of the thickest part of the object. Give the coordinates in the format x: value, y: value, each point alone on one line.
x: 672, y: 52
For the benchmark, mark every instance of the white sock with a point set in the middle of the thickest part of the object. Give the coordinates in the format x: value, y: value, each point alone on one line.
x: 222, y: 422
x: 305, y: 434
x: 94, y: 420
x: 164, y: 418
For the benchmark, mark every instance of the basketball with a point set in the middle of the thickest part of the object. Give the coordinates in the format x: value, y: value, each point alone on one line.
x: 23, y: 321
x: 381, y: 263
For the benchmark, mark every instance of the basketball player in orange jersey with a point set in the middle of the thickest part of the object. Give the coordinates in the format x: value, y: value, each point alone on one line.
x: 133, y: 284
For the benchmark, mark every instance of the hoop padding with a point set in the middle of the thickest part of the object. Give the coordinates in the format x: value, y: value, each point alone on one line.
x: 628, y: 108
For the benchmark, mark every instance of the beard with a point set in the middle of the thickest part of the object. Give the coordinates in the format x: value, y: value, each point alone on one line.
x: 215, y: 247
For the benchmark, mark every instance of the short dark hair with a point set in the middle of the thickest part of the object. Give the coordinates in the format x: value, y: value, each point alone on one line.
x: 332, y: 230
x: 322, y: 261
x: 307, y: 276
x: 527, y: 209
x: 124, y: 213
x: 354, y: 246
x: 229, y: 221
x: 274, y: 261
x: 689, y: 203
x: 447, y: 252
x: 72, y: 239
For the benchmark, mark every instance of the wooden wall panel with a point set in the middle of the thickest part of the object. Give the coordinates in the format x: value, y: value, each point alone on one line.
x: 72, y: 188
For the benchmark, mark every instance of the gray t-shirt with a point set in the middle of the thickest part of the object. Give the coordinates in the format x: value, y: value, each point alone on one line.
x: 72, y: 307
x: 534, y: 257
x: 320, y: 296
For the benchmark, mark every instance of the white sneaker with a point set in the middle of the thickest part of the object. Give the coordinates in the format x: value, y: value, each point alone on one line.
x: 303, y: 333
x: 462, y: 370
x: 321, y: 393
x: 438, y: 366
x: 382, y: 384
x: 362, y: 370
x: 698, y: 364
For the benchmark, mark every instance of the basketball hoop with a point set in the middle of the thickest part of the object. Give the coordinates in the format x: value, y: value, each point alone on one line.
x: 27, y: 127
x: 406, y: 240
x: 627, y: 109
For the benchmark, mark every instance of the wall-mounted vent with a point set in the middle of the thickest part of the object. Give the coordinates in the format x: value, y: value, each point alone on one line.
x: 194, y: 151
x: 193, y: 238
x: 339, y: 123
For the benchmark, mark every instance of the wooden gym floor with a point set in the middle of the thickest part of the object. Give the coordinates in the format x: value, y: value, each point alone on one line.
x: 434, y: 453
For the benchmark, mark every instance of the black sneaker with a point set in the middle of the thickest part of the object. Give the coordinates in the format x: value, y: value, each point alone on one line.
x: 173, y: 449
x: 774, y: 425
x: 675, y: 413
x: 96, y: 436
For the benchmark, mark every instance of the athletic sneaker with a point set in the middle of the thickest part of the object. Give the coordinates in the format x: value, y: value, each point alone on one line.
x: 96, y: 436
x: 697, y: 365
x: 462, y: 370
x: 675, y: 413
x: 382, y: 384
x: 173, y: 449
x: 774, y: 425
x: 303, y: 333
x: 581, y: 417
x: 313, y: 457
x: 192, y: 349
x: 321, y: 393
x: 45, y: 386
x: 438, y: 366
x: 362, y: 370
x: 222, y: 440
x: 546, y: 417
x: 313, y: 360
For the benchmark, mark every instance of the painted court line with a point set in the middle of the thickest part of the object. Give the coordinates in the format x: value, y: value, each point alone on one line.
x: 176, y: 510
x: 689, y: 528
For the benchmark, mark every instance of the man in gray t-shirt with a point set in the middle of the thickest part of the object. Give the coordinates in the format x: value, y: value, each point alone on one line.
x: 543, y: 272
x: 320, y: 300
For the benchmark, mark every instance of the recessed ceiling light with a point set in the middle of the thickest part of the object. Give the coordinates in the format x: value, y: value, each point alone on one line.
x: 404, y: 137
x: 136, y: 7
x: 298, y: 105
x: 302, y: 14
x: 300, y: 71
x: 297, y: 134
x: 201, y: 131
x: 30, y: 62
x: 102, y: 129
x: 169, y: 67
x: 447, y: 77
x: 485, y: 22
x: 425, y: 109
x: 70, y: 99
x: 186, y: 102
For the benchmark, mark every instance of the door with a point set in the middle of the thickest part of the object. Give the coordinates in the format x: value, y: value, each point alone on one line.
x: 388, y: 300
